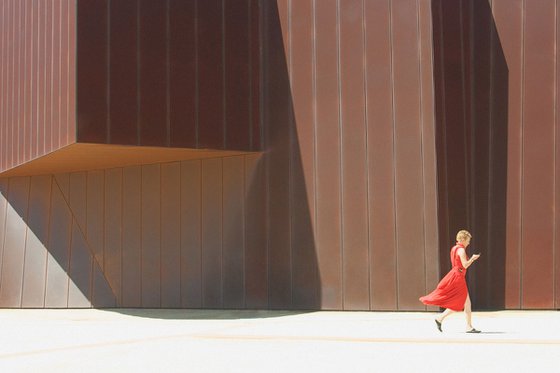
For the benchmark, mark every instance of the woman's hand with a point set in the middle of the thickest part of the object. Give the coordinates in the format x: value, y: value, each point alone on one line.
x: 475, y: 257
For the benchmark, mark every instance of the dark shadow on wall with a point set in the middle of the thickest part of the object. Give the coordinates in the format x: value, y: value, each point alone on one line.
x: 471, y: 91
x: 294, y: 281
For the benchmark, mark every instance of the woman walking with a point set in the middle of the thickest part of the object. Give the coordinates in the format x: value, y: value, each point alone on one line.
x: 451, y: 292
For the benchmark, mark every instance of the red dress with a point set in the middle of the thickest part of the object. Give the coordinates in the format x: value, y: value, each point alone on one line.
x: 451, y: 291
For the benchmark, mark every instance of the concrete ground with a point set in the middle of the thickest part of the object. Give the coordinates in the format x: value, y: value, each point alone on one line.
x: 128, y: 340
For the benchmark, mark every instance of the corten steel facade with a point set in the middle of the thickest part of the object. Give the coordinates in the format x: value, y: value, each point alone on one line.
x: 278, y: 154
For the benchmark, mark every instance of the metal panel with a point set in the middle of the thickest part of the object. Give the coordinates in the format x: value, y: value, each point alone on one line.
x: 131, y: 237
x: 14, y: 243
x: 92, y: 73
x: 380, y: 157
x: 153, y: 40
x: 255, y: 39
x: 277, y: 113
x: 211, y: 74
x: 233, y: 249
x: 95, y: 214
x: 79, y: 270
x: 171, y: 235
x: 59, y: 250
x: 183, y: 73
x: 191, y: 220
x: 256, y: 264
x: 556, y: 246
x: 408, y: 155
x: 3, y: 207
x: 113, y: 229
x: 327, y: 152
x: 538, y: 156
x: 305, y: 276
x: 212, y: 232
x: 150, y: 232
x: 34, y: 280
x: 123, y: 70
x: 353, y: 153
x: 236, y: 73
x: 429, y: 171
x: 77, y: 198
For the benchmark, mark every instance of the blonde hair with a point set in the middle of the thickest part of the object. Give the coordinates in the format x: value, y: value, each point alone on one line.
x: 462, y: 235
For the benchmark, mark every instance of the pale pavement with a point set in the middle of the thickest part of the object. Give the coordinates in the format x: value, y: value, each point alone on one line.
x: 275, y: 341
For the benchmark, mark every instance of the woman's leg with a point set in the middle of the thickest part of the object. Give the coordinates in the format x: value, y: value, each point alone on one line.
x: 444, y: 314
x: 468, y: 313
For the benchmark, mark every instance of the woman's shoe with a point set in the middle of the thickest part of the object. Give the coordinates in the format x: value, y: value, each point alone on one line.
x: 438, y: 325
x: 473, y: 330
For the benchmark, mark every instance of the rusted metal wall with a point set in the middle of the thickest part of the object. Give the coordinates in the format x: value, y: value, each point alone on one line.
x: 37, y: 78
x: 169, y: 73
x: 496, y: 92
x: 339, y: 212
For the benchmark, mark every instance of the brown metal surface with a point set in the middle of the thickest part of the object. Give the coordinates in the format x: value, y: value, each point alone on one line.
x: 169, y: 73
x: 327, y: 166
x: 537, y: 284
x: 36, y: 79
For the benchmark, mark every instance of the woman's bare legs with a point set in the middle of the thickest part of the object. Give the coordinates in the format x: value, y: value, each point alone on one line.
x: 444, y: 314
x: 468, y: 312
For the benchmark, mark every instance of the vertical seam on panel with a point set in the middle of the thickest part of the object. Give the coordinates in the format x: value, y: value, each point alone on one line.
x: 421, y: 112
x: 23, y: 144
x: 244, y: 214
x: 121, y: 216
x: 48, y: 241
x: 3, y: 123
x: 554, y: 163
x: 141, y: 234
x: 52, y: 77
x: 392, y: 67
x: 340, y: 144
x: 292, y: 133
x: 201, y: 228
x: 31, y: 108
x: 108, y: 88
x: 224, y: 84
x: 45, y: 83
x: 181, y: 234
x: 103, y: 234
x: 168, y: 73
x: 196, y: 88
x: 250, y: 75
x: 160, y: 234
x: 5, y: 230
x: 522, y: 153
x: 68, y: 106
x: 466, y: 161
x: 221, y: 160
x: 138, y: 79
x: 25, y: 242
x: 263, y: 28
x: 59, y: 73
x: 16, y: 144
x: 491, y: 114
x: 366, y: 125
x: 69, y: 271
x: 314, y: 94
x: 3, y: 97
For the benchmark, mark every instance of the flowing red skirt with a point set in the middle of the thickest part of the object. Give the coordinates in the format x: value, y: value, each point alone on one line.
x: 451, y: 292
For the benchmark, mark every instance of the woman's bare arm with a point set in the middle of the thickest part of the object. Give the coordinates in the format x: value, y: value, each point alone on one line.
x: 464, y: 261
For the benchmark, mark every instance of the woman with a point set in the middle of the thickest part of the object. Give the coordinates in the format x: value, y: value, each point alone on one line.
x: 451, y: 292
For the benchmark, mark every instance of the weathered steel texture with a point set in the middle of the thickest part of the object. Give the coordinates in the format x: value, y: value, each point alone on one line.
x: 496, y: 97
x: 37, y: 79
x: 169, y: 73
